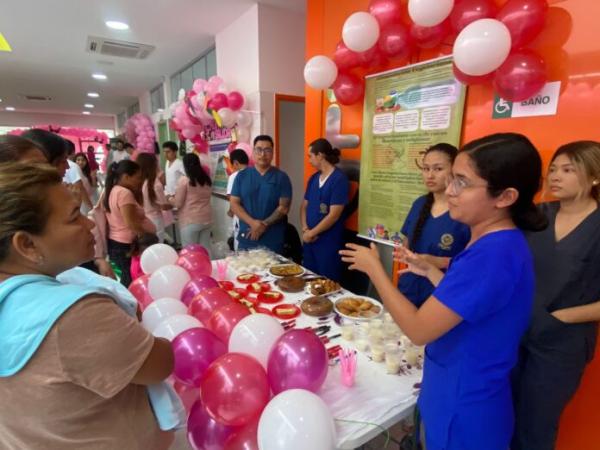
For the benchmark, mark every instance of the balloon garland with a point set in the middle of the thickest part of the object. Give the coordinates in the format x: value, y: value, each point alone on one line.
x: 139, y: 131
x: 489, y: 44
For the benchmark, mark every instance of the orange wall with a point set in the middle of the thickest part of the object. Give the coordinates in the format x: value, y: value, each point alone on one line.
x: 570, y: 44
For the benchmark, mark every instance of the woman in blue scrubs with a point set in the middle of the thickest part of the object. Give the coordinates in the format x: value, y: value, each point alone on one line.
x: 475, y: 318
x: 561, y: 338
x: 428, y: 229
x: 321, y: 211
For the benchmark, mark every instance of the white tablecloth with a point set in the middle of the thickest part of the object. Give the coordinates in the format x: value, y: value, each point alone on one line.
x: 378, y: 398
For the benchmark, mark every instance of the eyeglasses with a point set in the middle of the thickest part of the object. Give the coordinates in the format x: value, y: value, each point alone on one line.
x: 459, y: 184
x: 263, y: 150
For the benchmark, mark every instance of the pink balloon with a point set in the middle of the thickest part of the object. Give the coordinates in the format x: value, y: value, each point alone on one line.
x: 521, y: 76
x: 245, y: 438
x: 223, y: 320
x: 139, y: 289
x: 195, y: 286
x: 204, y: 433
x: 345, y: 58
x: 371, y: 58
x: 467, y: 11
x: 188, y: 394
x: 394, y: 41
x: 387, y: 12
x: 207, y: 301
x: 194, y: 248
x: 235, y: 389
x: 195, y: 263
x: 218, y: 101
x: 524, y: 19
x: 194, y: 350
x: 470, y: 79
x: 298, y: 360
x: 235, y: 100
x: 199, y: 85
x: 429, y: 37
x: 348, y: 88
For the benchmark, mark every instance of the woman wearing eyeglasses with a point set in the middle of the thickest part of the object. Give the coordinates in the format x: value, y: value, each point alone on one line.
x: 474, y: 319
x: 428, y: 229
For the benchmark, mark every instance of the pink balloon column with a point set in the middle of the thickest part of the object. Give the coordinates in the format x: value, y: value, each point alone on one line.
x: 235, y: 389
x: 139, y: 131
x: 223, y: 320
x: 196, y: 263
x: 139, y: 289
x: 195, y: 350
x: 195, y: 286
x: 298, y: 360
x: 205, y: 433
x: 206, y: 302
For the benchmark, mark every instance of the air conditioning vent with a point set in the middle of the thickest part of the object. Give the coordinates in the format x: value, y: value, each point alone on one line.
x: 36, y: 98
x: 122, y: 49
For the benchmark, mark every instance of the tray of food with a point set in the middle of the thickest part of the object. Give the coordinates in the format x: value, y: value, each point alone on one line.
x: 290, y: 284
x: 322, y: 286
x: 358, y: 308
x: 286, y: 270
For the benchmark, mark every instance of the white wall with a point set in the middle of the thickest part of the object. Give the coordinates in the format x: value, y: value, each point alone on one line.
x: 28, y: 119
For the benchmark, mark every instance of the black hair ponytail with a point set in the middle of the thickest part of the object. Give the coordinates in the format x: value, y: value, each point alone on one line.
x: 115, y: 172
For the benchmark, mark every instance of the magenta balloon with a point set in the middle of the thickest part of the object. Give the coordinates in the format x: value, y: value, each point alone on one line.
x: 345, y: 58
x: 394, y: 41
x: 468, y: 11
x: 524, y: 19
x: 348, y: 88
x: 194, y: 248
x: 235, y: 389
x: 196, y: 264
x: 139, y: 289
x: 387, y: 12
x: 195, y: 286
x: 521, y: 76
x: 429, y: 37
x: 223, y: 320
x: 206, y: 302
x: 298, y: 360
x: 235, y: 100
x: 204, y: 433
x: 195, y: 349
x: 218, y: 101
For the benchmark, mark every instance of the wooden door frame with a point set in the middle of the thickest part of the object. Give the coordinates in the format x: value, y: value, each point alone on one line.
x: 278, y: 99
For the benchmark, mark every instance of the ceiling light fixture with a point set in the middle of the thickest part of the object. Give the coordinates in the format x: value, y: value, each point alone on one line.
x: 160, y: 110
x: 88, y: 105
x: 116, y: 25
x: 10, y: 108
x: 93, y: 94
x: 87, y: 113
x: 99, y: 76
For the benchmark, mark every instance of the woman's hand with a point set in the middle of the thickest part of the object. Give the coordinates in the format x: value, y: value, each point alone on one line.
x: 416, y: 264
x: 308, y: 236
x: 361, y: 258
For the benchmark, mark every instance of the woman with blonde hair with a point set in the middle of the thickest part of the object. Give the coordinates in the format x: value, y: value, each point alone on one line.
x: 74, y: 366
x: 561, y: 338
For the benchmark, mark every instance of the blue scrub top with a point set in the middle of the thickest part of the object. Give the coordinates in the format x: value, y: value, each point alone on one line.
x: 466, y: 398
x: 260, y: 196
x: 321, y: 256
x: 441, y: 236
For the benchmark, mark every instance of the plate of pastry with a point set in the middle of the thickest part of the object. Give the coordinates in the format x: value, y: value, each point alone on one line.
x: 322, y: 286
x: 286, y: 270
x: 358, y: 308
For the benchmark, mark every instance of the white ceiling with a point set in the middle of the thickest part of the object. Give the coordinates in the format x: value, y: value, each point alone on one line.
x: 49, y: 56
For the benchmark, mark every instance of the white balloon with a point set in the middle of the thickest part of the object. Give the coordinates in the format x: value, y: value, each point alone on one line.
x: 429, y: 13
x: 227, y: 116
x: 243, y: 134
x: 360, y: 32
x: 482, y: 47
x: 159, y: 310
x: 243, y: 119
x: 172, y: 326
x: 157, y: 256
x: 168, y: 281
x: 320, y: 72
x: 296, y: 420
x: 255, y: 335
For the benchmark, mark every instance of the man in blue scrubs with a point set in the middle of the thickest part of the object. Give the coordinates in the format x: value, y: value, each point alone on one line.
x: 261, y: 198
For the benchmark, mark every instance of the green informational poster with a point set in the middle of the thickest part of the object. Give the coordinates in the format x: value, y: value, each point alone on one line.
x: 405, y: 111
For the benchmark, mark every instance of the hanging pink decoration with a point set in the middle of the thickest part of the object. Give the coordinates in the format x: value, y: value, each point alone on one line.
x: 139, y: 131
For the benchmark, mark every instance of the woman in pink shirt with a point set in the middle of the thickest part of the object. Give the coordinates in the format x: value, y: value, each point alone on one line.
x: 153, y: 193
x: 192, y: 199
x: 124, y: 214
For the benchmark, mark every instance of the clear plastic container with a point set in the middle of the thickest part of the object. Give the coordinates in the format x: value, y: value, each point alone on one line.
x: 411, y: 355
x: 347, y: 331
x: 361, y: 339
x: 393, y: 357
x: 377, y: 352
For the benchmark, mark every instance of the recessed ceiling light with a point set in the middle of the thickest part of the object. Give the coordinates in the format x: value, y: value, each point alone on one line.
x: 93, y: 94
x: 116, y: 25
x: 10, y: 108
x: 88, y: 105
x: 99, y: 76
x: 87, y: 113
x: 0, y: 100
x: 160, y: 110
